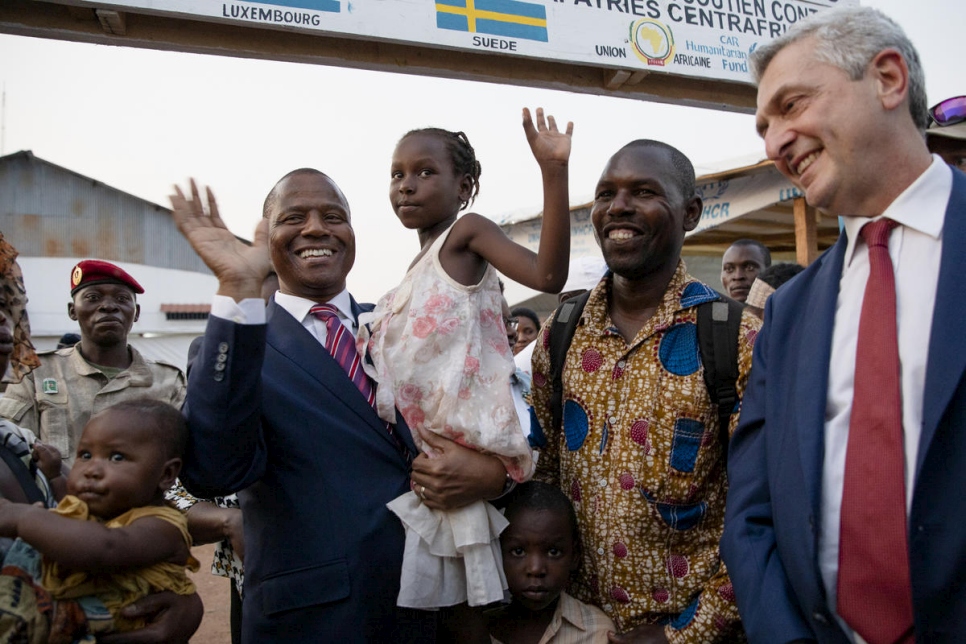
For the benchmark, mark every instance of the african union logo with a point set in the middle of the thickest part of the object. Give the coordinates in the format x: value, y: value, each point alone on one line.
x: 652, y: 41
x: 507, y: 18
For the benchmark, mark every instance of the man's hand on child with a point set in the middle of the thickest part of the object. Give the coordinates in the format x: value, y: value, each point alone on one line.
x: 455, y: 475
x: 171, y: 618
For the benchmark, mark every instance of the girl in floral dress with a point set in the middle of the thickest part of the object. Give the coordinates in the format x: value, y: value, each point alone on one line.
x: 439, y: 348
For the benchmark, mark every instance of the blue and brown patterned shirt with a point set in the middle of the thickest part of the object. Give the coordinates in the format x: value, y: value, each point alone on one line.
x: 640, y: 455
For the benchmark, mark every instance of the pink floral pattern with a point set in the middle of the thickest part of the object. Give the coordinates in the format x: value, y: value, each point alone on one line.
x: 440, y: 354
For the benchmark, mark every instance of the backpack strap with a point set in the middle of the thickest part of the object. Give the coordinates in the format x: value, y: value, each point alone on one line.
x: 561, y: 333
x: 23, y: 476
x: 719, y: 323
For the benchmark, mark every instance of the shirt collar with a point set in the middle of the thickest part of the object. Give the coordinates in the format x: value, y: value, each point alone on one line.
x: 921, y: 206
x: 597, y: 309
x: 569, y: 609
x: 299, y: 307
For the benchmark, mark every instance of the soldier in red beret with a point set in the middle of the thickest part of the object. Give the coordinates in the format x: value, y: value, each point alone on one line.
x: 56, y: 400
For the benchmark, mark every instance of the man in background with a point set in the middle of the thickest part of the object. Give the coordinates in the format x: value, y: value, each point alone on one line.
x: 56, y: 400
x: 741, y: 264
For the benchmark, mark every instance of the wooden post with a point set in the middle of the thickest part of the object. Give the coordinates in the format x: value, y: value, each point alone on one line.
x: 806, y: 237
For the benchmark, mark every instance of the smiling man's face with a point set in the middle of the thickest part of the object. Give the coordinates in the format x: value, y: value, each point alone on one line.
x: 312, y: 243
x: 640, y: 215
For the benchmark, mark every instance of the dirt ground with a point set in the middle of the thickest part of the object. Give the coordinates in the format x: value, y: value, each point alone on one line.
x: 214, y: 592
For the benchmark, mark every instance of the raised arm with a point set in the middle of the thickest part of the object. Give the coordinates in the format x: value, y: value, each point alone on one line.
x: 551, y: 149
x: 240, y: 268
x: 223, y: 405
x: 88, y: 545
x: 545, y: 270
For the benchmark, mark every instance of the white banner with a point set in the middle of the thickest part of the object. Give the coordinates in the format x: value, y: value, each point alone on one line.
x: 702, y: 38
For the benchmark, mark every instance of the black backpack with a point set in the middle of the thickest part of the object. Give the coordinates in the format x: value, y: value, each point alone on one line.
x: 719, y: 322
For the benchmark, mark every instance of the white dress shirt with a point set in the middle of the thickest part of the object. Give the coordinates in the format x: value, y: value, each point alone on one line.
x: 915, y: 247
x: 252, y: 311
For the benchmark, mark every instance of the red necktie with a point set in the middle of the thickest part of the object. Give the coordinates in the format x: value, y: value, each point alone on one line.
x: 874, y: 588
x: 342, y: 346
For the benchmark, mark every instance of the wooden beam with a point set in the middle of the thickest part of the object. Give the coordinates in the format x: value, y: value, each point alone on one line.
x: 190, y: 34
x: 111, y: 21
x: 613, y: 79
x: 806, y: 237
x: 637, y: 77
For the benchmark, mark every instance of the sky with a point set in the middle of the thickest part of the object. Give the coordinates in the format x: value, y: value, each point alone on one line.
x: 143, y: 120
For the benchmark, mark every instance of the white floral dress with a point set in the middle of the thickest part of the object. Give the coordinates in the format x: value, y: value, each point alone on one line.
x: 440, y: 356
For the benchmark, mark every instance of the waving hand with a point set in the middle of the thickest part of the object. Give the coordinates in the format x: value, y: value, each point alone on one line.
x: 240, y: 268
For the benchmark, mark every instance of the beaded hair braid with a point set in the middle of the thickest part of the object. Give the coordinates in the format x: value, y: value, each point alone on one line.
x: 462, y: 155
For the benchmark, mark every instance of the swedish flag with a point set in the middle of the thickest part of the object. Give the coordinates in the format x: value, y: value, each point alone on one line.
x: 509, y: 18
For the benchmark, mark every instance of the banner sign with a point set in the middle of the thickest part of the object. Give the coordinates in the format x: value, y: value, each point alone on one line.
x: 703, y: 38
x: 582, y: 239
x: 731, y: 198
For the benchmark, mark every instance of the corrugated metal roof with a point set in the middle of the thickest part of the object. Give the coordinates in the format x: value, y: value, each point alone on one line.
x: 50, y: 211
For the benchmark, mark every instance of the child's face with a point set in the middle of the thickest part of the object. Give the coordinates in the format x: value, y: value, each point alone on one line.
x: 424, y: 189
x: 538, y: 556
x: 118, y: 466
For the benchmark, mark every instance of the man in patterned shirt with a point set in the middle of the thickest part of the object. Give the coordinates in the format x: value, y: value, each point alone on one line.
x: 639, y: 452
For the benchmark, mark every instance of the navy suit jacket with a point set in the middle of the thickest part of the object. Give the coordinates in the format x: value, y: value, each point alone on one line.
x: 273, y: 417
x: 770, y: 541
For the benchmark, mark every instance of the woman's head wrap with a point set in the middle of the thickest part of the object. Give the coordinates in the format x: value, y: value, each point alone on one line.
x: 23, y: 359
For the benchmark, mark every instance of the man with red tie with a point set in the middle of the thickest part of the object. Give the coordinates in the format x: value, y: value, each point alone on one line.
x: 852, y: 437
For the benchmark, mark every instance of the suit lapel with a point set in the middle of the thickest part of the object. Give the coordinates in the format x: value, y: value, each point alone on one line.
x: 815, y: 352
x: 287, y: 335
x: 946, y: 361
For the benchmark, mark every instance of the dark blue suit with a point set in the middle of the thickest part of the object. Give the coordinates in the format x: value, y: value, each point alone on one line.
x: 770, y: 541
x: 273, y: 415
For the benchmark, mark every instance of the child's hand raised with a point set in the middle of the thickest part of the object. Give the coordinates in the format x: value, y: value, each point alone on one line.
x: 547, y: 143
x: 48, y: 459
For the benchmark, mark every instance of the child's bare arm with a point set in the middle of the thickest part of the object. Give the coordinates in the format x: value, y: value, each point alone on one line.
x: 547, y: 269
x: 87, y: 545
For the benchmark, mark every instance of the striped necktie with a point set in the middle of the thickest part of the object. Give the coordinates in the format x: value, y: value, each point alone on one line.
x: 341, y: 345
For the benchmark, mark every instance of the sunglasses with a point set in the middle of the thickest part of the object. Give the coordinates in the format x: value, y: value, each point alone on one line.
x: 949, y: 112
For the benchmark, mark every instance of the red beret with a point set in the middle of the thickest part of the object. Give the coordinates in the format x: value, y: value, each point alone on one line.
x: 95, y: 271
